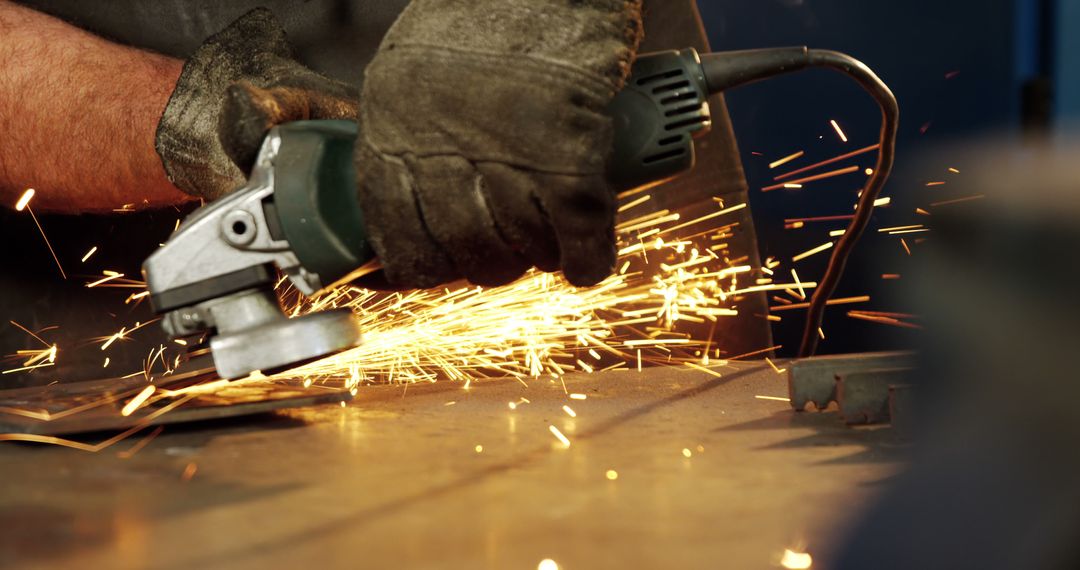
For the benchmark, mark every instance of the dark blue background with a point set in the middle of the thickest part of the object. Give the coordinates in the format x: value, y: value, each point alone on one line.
x: 993, y: 46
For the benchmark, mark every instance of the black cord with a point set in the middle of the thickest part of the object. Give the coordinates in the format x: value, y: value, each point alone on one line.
x: 890, y: 125
x: 727, y: 70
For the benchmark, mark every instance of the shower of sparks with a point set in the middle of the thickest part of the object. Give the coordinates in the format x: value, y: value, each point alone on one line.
x: 541, y: 326
x: 839, y: 131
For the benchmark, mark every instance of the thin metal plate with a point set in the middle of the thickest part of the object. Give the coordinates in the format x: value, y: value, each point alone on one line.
x: 95, y: 406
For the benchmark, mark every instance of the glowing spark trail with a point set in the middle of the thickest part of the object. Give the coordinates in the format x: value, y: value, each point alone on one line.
x: 796, y: 560
x: 834, y: 160
x: 812, y: 252
x: 559, y: 435
x: 815, y: 178
x: 24, y: 200
x: 839, y: 131
x: 786, y: 160
x: 24, y: 204
x: 137, y: 401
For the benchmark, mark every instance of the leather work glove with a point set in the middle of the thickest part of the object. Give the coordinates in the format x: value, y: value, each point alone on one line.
x: 484, y: 139
x: 250, y: 61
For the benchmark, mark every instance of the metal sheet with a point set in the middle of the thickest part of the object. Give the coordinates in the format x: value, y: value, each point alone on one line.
x: 95, y: 406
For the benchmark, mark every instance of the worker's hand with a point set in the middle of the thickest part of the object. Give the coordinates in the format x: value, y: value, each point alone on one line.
x: 484, y: 139
x: 248, y: 68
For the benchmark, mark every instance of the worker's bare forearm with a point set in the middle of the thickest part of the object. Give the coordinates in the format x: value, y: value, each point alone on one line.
x: 77, y: 117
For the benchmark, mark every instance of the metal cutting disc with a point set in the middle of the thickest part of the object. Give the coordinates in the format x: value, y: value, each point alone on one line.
x: 286, y: 343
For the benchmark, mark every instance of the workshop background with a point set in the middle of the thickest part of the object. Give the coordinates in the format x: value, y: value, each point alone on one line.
x: 675, y: 468
x: 960, y: 69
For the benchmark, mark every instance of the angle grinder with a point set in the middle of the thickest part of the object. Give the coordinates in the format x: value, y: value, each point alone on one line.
x: 298, y: 215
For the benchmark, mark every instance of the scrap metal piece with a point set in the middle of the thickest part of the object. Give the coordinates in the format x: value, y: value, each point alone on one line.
x: 95, y: 406
x: 813, y: 380
x: 863, y: 396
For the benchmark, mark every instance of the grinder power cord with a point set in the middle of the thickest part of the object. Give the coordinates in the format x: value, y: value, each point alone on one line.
x: 300, y: 213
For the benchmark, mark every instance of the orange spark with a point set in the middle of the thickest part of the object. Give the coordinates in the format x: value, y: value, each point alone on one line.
x: 844, y: 301
x: 815, y: 178
x: 138, y: 400
x: 24, y: 200
x: 839, y: 131
x: 833, y: 160
x: 812, y: 252
x: 786, y: 160
x: 958, y: 201
x: 559, y: 435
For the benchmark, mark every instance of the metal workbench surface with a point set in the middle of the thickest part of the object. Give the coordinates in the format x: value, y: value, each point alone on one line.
x: 706, y: 475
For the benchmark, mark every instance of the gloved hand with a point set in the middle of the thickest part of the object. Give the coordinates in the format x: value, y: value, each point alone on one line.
x: 484, y: 139
x: 249, y: 63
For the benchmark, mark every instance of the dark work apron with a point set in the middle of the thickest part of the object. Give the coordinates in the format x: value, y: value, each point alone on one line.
x: 338, y: 38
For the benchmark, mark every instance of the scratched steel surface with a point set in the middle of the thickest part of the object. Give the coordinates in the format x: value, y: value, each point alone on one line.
x: 394, y: 480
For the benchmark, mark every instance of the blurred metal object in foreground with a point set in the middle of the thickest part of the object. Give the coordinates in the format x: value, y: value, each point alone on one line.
x: 995, y: 483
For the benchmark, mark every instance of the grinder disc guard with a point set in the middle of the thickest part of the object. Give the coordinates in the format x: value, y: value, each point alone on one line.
x: 278, y: 344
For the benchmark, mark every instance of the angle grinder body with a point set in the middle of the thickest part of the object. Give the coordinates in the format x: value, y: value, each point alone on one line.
x: 299, y: 216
